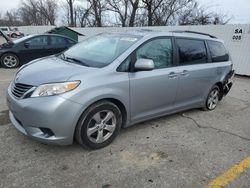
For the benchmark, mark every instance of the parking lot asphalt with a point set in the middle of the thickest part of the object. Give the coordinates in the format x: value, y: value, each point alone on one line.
x: 188, y: 149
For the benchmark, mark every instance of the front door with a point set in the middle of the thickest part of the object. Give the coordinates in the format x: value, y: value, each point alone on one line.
x: 34, y: 48
x: 153, y: 92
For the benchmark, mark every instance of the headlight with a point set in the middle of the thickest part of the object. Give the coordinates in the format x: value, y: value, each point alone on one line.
x: 54, y: 88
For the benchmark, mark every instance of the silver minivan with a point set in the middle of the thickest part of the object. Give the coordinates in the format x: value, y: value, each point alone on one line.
x: 114, y: 80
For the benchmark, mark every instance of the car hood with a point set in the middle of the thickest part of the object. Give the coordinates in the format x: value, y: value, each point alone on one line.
x: 49, y: 70
x: 5, y: 36
x: 6, y: 45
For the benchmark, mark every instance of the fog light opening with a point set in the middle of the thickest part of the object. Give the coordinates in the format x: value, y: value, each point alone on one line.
x: 47, y: 132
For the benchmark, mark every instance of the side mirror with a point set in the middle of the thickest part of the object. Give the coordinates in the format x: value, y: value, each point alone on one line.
x: 26, y: 44
x: 144, y: 65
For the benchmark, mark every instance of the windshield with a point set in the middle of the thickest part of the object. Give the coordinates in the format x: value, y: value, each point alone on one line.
x: 100, y: 50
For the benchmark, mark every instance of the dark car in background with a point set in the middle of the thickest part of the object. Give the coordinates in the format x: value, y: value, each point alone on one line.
x: 21, y: 51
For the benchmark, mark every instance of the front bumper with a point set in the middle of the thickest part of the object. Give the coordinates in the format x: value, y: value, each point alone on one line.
x: 49, y: 120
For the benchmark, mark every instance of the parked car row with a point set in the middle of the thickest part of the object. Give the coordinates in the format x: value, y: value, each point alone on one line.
x: 18, y: 52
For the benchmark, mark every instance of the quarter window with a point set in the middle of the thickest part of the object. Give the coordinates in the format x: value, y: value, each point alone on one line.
x: 159, y: 50
x: 124, y: 66
x: 218, y: 51
x: 70, y: 41
x: 191, y: 51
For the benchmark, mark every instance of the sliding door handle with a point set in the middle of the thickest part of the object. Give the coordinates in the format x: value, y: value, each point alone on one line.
x: 184, y: 73
x: 172, y: 75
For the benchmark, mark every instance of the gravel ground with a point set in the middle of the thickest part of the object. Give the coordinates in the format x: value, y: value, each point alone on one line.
x: 183, y: 150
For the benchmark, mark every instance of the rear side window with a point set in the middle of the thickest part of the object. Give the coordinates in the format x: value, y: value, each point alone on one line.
x: 218, y: 51
x: 55, y: 40
x: 191, y: 51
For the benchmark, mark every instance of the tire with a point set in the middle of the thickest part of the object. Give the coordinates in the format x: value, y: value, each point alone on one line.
x: 13, y: 35
x: 99, y: 125
x: 212, y: 99
x: 9, y: 60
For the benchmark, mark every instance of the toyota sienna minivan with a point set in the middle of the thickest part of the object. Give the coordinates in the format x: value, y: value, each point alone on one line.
x: 114, y: 80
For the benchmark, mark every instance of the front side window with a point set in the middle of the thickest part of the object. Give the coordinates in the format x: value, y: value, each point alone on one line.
x: 218, y: 51
x: 191, y: 51
x: 38, y: 41
x: 101, y: 50
x: 159, y: 50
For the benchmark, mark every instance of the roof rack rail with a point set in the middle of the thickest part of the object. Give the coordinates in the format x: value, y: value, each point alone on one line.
x: 194, y: 32
x: 141, y: 30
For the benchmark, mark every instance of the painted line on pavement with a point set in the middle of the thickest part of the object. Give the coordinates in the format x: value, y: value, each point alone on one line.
x: 230, y: 175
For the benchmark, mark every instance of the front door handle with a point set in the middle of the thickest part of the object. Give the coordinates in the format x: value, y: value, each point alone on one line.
x: 184, y: 73
x: 172, y: 75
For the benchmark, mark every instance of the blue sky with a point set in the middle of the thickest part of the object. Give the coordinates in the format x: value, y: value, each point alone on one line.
x: 239, y: 10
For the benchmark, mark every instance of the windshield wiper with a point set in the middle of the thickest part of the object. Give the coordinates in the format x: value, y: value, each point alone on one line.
x: 73, y: 60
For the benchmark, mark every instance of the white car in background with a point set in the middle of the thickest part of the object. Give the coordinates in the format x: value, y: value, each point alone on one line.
x: 12, y: 32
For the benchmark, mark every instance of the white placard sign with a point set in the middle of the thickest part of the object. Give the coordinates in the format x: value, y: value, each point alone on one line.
x: 237, y: 35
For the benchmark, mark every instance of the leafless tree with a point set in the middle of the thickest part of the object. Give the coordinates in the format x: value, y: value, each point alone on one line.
x: 151, y: 7
x: 11, y: 18
x: 135, y: 6
x: 126, y: 10
x: 38, y: 12
x: 168, y: 12
x: 96, y: 13
x: 83, y: 15
x: 97, y: 10
x: 48, y: 9
x: 120, y: 7
x: 197, y: 15
x: 161, y: 12
x: 71, y: 12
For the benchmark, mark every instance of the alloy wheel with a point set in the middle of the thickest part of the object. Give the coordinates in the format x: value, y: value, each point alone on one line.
x: 101, y: 126
x: 10, y: 61
x: 213, y: 99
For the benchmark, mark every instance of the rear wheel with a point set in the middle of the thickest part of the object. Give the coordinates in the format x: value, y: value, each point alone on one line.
x: 99, y: 125
x: 212, y: 98
x: 9, y: 60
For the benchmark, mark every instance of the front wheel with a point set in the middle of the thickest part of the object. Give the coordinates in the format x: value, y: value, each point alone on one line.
x: 9, y: 60
x: 13, y: 35
x: 99, y: 125
x: 212, y: 98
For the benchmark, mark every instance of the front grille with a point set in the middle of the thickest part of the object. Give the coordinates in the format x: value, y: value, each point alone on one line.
x: 18, y: 89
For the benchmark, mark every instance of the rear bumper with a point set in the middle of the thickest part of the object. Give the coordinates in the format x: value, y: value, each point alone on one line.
x: 228, y: 82
x: 49, y: 120
x: 227, y: 87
